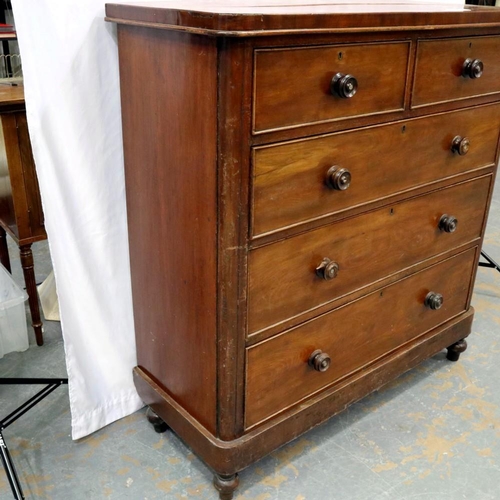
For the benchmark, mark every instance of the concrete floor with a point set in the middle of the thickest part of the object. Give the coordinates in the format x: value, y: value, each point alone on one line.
x: 433, y: 434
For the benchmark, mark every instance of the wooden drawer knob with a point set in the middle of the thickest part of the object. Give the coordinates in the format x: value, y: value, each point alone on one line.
x: 328, y: 269
x: 472, y: 68
x: 344, y: 86
x: 433, y: 300
x: 338, y: 178
x: 319, y: 360
x: 448, y: 223
x: 460, y: 145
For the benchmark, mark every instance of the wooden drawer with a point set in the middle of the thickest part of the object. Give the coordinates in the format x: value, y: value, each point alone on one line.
x: 289, y: 179
x: 278, y: 374
x: 292, y: 86
x: 282, y: 277
x: 442, y: 61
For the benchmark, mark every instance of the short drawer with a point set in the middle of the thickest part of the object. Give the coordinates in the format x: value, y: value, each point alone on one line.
x: 294, y: 182
x: 440, y: 75
x: 279, y: 374
x: 283, y: 277
x: 292, y: 87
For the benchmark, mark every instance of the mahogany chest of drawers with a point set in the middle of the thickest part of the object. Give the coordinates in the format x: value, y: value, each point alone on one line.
x: 307, y: 193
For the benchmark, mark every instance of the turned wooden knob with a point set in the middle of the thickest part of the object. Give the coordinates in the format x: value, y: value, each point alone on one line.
x: 434, y: 300
x: 460, y: 145
x: 338, y: 178
x: 448, y: 223
x: 344, y: 86
x: 319, y: 360
x: 328, y: 269
x: 472, y: 68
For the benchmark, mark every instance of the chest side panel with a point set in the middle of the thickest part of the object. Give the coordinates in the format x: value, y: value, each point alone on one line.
x: 169, y: 101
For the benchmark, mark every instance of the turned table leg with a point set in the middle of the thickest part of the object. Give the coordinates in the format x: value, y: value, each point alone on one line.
x: 4, y: 250
x: 456, y: 349
x: 226, y: 485
x: 158, y: 424
x: 29, y: 279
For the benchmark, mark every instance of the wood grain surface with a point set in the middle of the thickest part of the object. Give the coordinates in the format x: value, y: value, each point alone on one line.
x: 228, y: 457
x: 169, y: 135
x: 292, y: 86
x: 289, y: 178
x: 232, y: 232
x: 282, y: 278
x: 12, y: 98
x: 280, y: 18
x: 442, y: 61
x: 228, y: 133
x: 278, y: 374
x: 35, y: 211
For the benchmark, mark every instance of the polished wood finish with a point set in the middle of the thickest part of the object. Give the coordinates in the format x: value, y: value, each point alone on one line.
x: 442, y: 60
x: 11, y: 98
x: 401, y: 316
x: 319, y: 361
x: 226, y: 485
x: 28, y: 266
x: 246, y: 19
x: 172, y: 208
x: 21, y: 213
x: 233, y: 177
x: 35, y: 211
x: 265, y: 224
x: 292, y: 86
x: 364, y: 248
x: 289, y: 179
x: 228, y: 457
x: 456, y: 349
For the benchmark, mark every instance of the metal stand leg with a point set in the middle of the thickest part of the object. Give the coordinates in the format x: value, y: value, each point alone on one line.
x: 10, y: 470
x: 491, y: 263
x: 15, y: 485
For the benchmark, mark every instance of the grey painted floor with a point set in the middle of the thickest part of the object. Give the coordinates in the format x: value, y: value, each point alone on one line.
x: 433, y: 434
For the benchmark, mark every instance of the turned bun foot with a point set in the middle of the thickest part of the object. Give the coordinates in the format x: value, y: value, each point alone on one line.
x: 226, y: 485
x: 456, y: 349
x: 158, y: 424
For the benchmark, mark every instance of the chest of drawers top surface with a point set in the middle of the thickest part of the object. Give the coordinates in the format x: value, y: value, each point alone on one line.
x: 248, y: 18
x: 307, y: 193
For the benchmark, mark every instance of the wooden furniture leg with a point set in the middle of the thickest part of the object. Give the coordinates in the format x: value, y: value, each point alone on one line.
x: 158, y: 424
x: 456, y: 349
x: 4, y: 250
x: 226, y: 485
x: 29, y: 279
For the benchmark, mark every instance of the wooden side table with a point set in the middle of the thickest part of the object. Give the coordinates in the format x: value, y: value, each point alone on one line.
x: 21, y: 214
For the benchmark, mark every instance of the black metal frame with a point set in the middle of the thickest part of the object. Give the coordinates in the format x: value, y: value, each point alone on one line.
x: 10, y: 469
x: 490, y: 262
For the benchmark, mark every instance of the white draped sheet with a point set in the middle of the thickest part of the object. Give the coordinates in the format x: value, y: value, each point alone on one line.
x: 70, y: 65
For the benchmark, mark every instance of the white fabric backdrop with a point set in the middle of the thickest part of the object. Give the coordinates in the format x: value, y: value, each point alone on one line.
x: 70, y: 66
